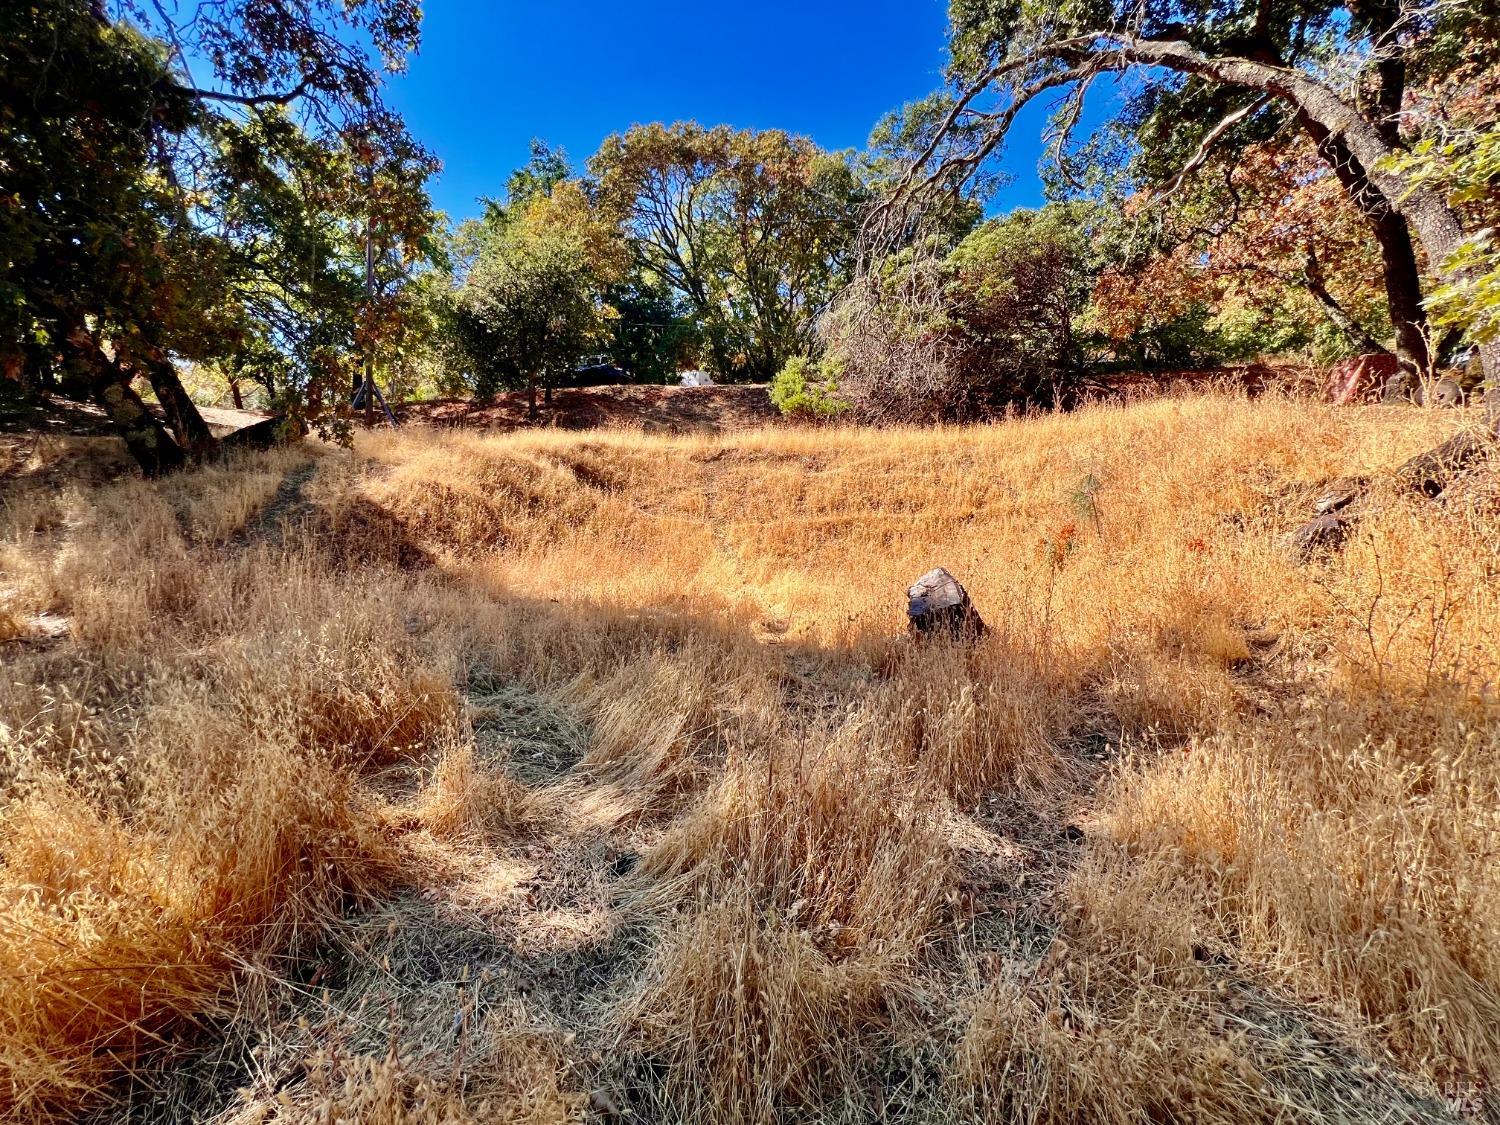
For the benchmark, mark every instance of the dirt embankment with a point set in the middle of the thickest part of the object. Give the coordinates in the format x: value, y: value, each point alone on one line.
x: 651, y: 408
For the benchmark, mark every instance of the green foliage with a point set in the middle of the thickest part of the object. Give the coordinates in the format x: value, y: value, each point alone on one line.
x: 1204, y: 94
x: 1465, y: 165
x: 808, y: 388
x: 532, y: 302
x: 1019, y: 285
x: 297, y: 213
x: 951, y: 209
x: 547, y: 168
x: 84, y: 230
x: 1001, y: 319
x: 146, y: 221
x: 750, y: 231
x: 654, y: 334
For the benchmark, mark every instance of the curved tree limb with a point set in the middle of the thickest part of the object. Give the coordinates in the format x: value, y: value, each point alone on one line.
x: 1314, y: 281
x: 998, y: 126
x: 284, y: 97
x: 1210, y: 139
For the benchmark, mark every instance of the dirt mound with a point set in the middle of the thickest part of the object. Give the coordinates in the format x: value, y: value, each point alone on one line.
x: 652, y: 408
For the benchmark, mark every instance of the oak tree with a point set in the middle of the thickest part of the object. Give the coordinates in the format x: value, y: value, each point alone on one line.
x: 1338, y: 73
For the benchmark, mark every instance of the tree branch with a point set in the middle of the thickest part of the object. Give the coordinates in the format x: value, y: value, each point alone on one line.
x: 1314, y: 282
x: 1211, y: 138
x: 1000, y: 123
x: 284, y: 98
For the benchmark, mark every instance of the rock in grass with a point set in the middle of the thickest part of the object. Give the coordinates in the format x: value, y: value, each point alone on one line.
x: 937, y: 606
x: 1320, y: 533
x: 1447, y: 393
x: 1340, y: 493
x: 603, y: 1106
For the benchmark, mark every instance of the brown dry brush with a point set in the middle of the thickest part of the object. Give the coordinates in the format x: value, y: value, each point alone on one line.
x: 201, y: 806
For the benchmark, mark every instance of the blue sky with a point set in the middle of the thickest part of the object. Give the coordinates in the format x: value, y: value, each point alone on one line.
x: 492, y: 75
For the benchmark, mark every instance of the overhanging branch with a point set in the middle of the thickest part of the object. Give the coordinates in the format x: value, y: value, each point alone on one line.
x: 999, y: 123
x: 1211, y: 138
x: 285, y: 97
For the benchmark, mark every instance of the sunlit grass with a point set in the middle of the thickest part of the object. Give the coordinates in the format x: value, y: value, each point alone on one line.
x: 646, y: 702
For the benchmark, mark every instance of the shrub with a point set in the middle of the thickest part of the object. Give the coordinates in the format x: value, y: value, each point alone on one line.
x: 901, y: 352
x: 926, y: 337
x: 808, y: 388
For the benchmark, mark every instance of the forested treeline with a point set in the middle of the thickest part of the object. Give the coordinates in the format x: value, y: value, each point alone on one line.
x: 219, y: 203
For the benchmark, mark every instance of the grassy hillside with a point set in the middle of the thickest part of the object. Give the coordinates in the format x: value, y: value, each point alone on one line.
x: 543, y: 776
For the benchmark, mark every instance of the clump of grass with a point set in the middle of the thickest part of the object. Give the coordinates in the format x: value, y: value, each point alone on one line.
x: 1298, y: 846
x: 1087, y: 1044
x: 752, y: 1021
x: 834, y: 842
x: 971, y: 721
x: 815, y: 881
x: 469, y: 800
x: 182, y: 790
x: 514, y: 1074
x: 116, y: 930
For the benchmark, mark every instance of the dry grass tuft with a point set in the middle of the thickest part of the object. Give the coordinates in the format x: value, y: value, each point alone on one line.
x: 116, y: 928
x: 834, y: 843
x: 751, y: 1021
x: 1072, y: 1048
x: 520, y: 1076
x: 468, y: 800
x: 1299, y: 846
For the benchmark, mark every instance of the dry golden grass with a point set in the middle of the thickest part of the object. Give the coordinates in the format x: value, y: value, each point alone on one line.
x: 474, y: 778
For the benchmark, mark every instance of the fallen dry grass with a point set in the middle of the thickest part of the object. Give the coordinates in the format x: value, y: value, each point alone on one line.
x: 545, y: 776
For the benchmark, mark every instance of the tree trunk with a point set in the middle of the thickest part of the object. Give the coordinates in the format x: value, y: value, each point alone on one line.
x: 234, y: 394
x: 109, y: 386
x: 531, y: 399
x: 191, y: 431
x: 1398, y: 257
x: 1313, y: 281
x: 145, y: 437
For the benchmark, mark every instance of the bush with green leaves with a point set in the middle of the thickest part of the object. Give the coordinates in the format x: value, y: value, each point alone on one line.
x: 808, y: 388
x: 1465, y: 164
x: 928, y: 336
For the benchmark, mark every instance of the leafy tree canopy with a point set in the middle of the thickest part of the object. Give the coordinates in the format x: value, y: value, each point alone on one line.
x: 199, y: 183
x: 531, y: 302
x: 751, y: 231
x: 1215, y: 76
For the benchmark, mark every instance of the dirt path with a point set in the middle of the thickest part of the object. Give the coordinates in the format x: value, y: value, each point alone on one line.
x: 289, y: 505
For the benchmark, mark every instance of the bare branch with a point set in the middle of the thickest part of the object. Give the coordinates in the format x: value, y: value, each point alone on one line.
x: 284, y: 98
x: 1067, y: 122
x: 1211, y: 138
x: 963, y: 166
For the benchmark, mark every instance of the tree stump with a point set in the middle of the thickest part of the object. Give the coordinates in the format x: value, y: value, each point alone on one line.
x: 265, y: 434
x: 937, y: 606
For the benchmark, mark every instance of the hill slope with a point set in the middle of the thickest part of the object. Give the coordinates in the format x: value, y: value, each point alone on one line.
x: 546, y: 776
